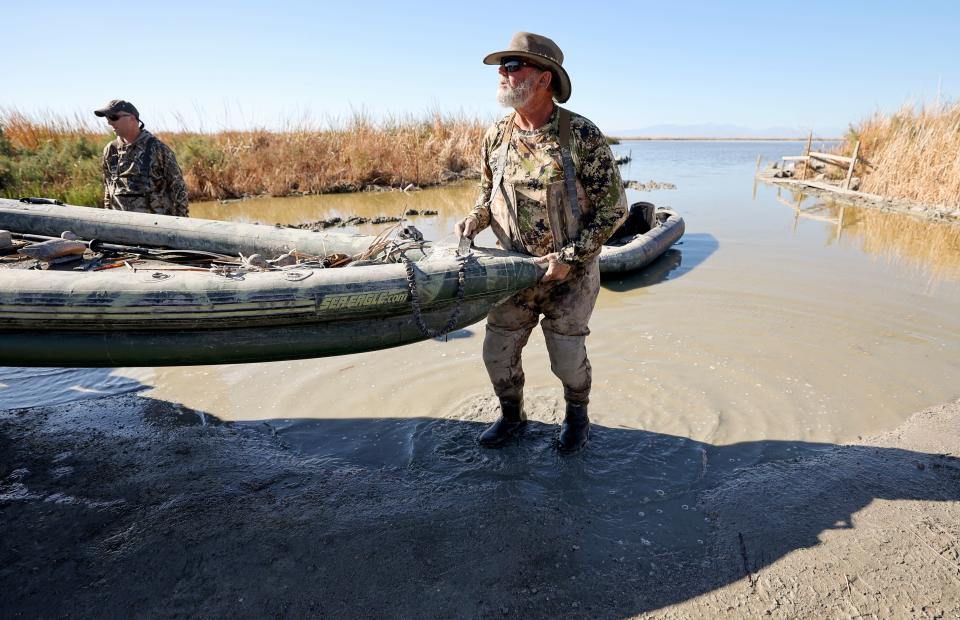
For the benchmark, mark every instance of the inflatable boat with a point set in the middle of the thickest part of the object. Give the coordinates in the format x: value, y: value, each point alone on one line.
x: 646, y: 234
x: 85, y: 312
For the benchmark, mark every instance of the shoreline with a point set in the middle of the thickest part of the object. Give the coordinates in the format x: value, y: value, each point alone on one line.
x: 453, y: 178
x: 714, y: 139
x: 935, y: 213
x: 133, y: 506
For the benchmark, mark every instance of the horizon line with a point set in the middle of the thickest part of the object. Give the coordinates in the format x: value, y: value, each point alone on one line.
x: 719, y: 138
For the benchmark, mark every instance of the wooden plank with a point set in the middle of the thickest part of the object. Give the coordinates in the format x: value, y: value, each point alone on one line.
x: 853, y: 162
x: 828, y: 161
x: 839, y: 190
x: 806, y: 151
x: 842, y: 158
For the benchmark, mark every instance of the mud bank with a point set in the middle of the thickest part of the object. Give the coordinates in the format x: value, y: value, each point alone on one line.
x: 130, y: 506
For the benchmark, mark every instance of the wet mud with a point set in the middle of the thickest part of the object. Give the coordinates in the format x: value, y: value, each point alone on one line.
x: 134, y: 506
x: 358, y: 220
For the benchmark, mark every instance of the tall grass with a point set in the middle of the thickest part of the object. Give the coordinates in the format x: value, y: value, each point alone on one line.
x: 59, y: 157
x: 914, y: 153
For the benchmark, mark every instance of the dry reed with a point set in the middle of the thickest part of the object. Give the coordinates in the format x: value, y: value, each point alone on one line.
x: 232, y: 164
x: 913, y: 154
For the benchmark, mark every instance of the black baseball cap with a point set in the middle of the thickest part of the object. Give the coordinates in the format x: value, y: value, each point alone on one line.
x: 117, y: 106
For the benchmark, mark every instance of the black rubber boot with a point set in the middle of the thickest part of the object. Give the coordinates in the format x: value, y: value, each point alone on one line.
x: 512, y: 421
x: 575, y: 429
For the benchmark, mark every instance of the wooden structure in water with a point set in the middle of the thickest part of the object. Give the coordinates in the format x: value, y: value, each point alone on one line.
x: 832, y: 159
x: 842, y: 191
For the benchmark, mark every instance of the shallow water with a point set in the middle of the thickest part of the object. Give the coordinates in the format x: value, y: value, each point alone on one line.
x: 777, y: 328
x: 776, y: 317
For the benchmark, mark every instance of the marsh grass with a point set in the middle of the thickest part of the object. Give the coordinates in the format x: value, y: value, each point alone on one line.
x: 915, y: 153
x: 59, y: 157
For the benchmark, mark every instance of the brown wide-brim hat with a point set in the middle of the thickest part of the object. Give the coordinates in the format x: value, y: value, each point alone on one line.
x: 540, y: 51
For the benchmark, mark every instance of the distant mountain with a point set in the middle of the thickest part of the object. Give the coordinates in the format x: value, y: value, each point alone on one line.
x: 715, y: 130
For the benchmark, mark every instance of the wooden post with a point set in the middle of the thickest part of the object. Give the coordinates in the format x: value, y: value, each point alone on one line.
x: 806, y: 151
x: 853, y: 162
x: 757, y: 170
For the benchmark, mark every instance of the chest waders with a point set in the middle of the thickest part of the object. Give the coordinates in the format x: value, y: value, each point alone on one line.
x: 566, y: 307
x: 565, y: 219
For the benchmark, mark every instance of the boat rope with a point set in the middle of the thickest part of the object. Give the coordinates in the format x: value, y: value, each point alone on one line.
x: 415, y: 299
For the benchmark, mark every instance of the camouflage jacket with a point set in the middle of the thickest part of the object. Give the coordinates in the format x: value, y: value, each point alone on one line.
x: 534, y: 170
x: 143, y: 176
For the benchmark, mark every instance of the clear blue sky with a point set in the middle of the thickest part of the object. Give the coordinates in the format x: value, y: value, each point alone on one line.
x: 238, y: 64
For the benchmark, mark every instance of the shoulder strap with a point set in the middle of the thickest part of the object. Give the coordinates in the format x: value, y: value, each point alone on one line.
x: 147, y: 163
x: 569, y: 172
x: 502, y: 154
x: 113, y: 160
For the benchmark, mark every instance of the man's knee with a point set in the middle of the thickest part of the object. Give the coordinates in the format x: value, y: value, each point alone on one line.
x: 568, y: 358
x: 503, y: 346
x: 501, y: 356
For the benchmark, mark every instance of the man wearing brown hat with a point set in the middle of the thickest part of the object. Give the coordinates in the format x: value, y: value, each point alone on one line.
x: 140, y: 173
x: 550, y: 187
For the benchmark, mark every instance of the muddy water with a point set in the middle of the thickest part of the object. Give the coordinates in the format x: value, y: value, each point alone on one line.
x: 778, y: 323
x: 777, y: 317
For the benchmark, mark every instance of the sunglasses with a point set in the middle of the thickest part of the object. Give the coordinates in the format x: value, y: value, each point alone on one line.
x: 512, y: 65
x: 116, y: 117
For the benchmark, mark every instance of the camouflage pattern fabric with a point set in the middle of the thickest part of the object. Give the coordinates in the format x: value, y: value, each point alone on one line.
x: 534, y: 167
x: 143, y: 176
x: 566, y: 306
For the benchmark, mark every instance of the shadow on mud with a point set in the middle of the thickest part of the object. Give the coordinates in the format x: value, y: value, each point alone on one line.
x: 457, y: 335
x: 134, y: 505
x: 687, y: 254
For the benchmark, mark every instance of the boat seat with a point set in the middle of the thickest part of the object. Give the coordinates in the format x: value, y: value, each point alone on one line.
x: 639, y: 220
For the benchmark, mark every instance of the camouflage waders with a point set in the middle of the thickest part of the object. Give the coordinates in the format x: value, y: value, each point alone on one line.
x: 557, y: 189
x: 566, y: 305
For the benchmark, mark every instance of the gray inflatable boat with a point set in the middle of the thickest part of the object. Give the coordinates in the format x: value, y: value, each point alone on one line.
x: 153, y: 316
x: 647, y: 233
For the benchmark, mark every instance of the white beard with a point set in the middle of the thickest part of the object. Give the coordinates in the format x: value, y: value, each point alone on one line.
x: 517, y: 96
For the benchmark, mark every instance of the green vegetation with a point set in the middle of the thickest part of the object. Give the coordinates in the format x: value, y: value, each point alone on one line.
x: 52, y: 160
x: 60, y: 158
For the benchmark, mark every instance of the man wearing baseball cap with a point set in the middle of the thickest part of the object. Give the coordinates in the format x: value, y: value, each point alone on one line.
x: 549, y: 187
x: 140, y: 173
